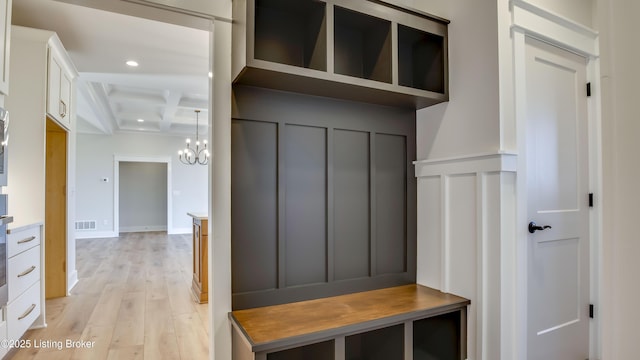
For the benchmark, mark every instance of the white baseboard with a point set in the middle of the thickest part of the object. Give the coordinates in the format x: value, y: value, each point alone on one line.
x: 186, y: 230
x: 95, y: 234
x: 72, y: 281
x: 125, y: 229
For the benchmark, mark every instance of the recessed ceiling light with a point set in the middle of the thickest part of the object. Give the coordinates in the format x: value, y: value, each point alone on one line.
x: 132, y: 63
x: 140, y: 120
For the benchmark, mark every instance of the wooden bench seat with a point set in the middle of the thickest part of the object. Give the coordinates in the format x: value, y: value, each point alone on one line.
x: 261, y: 331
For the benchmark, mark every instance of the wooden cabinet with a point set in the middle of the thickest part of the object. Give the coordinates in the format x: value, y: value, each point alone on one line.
x: 355, y: 50
x: 5, y: 37
x: 410, y: 322
x: 59, y: 86
x: 24, y: 278
x: 199, y: 286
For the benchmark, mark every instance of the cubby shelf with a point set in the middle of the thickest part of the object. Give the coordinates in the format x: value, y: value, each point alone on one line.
x: 381, y: 344
x: 318, y: 351
x: 362, y: 45
x: 363, y: 51
x: 292, y: 33
x: 421, y: 60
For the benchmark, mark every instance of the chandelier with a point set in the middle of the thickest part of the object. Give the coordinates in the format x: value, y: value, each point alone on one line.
x: 192, y: 156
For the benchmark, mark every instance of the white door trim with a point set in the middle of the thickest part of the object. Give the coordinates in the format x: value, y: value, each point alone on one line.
x: 529, y: 20
x: 116, y: 187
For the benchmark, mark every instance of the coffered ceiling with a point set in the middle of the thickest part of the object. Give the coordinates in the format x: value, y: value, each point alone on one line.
x: 159, y: 95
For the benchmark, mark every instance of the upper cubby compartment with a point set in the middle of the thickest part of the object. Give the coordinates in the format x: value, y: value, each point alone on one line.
x: 421, y: 59
x: 362, y: 45
x: 291, y: 32
x: 355, y: 50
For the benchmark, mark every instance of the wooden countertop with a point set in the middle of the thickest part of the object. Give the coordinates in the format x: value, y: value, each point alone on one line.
x: 280, y: 325
x: 198, y: 215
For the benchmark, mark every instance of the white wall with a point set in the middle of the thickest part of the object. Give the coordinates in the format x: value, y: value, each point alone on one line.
x: 26, y: 102
x: 95, y: 160
x: 469, y: 122
x: 620, y: 74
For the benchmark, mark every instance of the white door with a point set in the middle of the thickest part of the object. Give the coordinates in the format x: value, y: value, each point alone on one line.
x: 557, y: 183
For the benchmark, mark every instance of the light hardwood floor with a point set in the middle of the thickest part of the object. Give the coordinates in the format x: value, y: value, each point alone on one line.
x: 133, y: 299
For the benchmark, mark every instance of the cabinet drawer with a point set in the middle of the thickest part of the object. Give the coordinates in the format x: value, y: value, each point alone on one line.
x: 23, y: 270
x: 23, y: 312
x: 20, y: 241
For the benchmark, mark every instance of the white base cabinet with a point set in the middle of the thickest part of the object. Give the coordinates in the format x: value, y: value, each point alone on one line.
x: 23, y: 312
x: 25, y: 308
x: 23, y: 271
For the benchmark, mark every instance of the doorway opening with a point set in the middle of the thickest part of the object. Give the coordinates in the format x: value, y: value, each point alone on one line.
x: 56, y: 211
x: 142, y: 194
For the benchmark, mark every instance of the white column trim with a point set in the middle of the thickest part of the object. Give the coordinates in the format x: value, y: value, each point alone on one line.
x: 483, y: 167
x: 544, y: 25
x: 481, y: 263
x: 220, y: 193
x: 516, y: 291
x: 446, y: 238
x: 490, y: 162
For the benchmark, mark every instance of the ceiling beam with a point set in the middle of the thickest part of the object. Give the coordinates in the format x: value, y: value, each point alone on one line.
x: 172, y: 99
x: 96, y: 98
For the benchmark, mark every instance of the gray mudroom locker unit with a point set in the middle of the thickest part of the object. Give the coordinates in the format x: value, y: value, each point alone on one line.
x: 323, y: 138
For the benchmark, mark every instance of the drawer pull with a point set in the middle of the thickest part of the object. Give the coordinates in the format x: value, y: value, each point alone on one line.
x: 26, y: 272
x: 30, y: 238
x: 26, y: 313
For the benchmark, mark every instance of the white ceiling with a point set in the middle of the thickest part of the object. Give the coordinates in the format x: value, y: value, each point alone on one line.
x: 170, y: 83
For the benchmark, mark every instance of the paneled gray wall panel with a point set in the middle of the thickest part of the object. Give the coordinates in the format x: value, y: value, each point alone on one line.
x: 254, y: 205
x: 305, y: 204
x: 391, y: 204
x: 323, y: 199
x: 352, y: 209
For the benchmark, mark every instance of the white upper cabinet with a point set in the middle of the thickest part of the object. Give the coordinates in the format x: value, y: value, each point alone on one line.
x: 59, y: 90
x: 5, y: 36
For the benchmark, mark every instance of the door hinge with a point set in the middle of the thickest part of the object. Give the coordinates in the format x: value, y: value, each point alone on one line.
x: 591, y: 311
x: 588, y: 89
x: 590, y: 199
